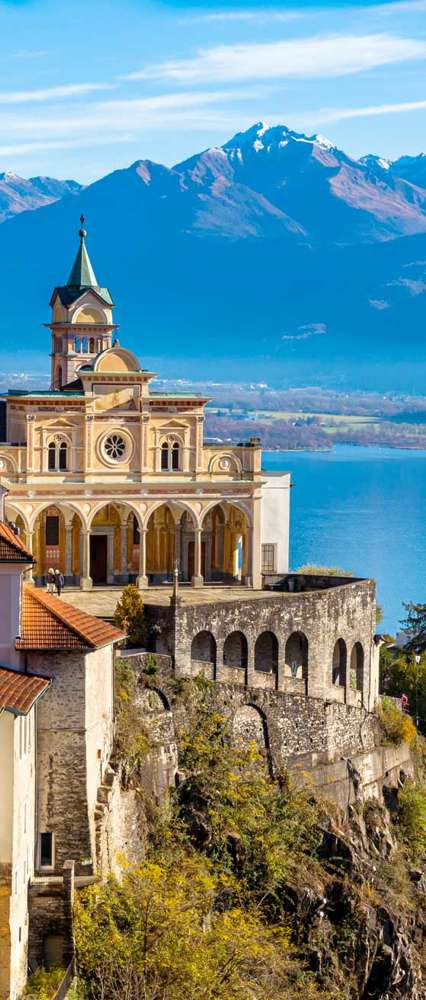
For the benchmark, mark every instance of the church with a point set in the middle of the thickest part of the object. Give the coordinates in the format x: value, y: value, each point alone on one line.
x: 112, y: 481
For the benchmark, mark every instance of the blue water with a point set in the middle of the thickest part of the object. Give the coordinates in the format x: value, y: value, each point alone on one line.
x: 362, y: 509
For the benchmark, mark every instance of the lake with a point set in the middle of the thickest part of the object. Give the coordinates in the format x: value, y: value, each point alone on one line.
x: 362, y: 509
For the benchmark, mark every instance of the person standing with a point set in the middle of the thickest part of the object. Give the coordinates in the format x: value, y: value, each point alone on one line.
x: 59, y: 581
x: 51, y: 580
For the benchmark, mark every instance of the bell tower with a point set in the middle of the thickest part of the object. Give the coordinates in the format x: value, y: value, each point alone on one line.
x: 81, y: 321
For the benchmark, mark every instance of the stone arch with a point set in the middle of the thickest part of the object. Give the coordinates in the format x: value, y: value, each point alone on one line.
x: 235, y: 650
x: 171, y: 453
x: 63, y: 507
x: 356, y: 667
x: 7, y: 463
x: 225, y: 465
x: 115, y: 359
x: 203, y: 647
x: 296, y: 656
x: 266, y: 652
x: 340, y: 657
x: 13, y: 512
x: 89, y: 314
x: 249, y: 724
x: 176, y: 507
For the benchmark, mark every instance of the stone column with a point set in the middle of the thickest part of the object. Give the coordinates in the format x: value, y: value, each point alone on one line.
x: 197, y: 579
x: 256, y: 568
x: 178, y: 553
x: 142, y: 580
x: 29, y: 543
x: 237, y: 555
x: 68, y: 574
x: 86, y: 582
x: 124, y: 572
x: 250, y: 673
x: 68, y: 877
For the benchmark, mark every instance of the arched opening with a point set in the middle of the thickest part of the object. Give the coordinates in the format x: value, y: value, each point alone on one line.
x: 57, y: 544
x: 266, y: 652
x: 175, y: 457
x: 296, y: 656
x: 160, y: 545
x: 225, y: 538
x: 114, y: 545
x: 77, y: 345
x: 51, y: 457
x: 164, y: 457
x: 92, y: 345
x: 203, y: 648
x: 339, y: 663
x: 356, y: 668
x: 235, y: 650
x: 59, y: 376
x: 249, y: 725
x: 63, y: 456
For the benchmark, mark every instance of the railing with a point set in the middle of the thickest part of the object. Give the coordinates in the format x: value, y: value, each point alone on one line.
x: 66, y: 982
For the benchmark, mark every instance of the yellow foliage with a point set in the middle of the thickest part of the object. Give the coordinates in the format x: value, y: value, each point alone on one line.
x: 397, y: 727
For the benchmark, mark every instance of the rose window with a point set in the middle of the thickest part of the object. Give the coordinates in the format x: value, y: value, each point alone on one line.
x: 115, y: 447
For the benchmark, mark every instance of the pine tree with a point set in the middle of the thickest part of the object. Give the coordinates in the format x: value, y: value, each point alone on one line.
x: 129, y: 615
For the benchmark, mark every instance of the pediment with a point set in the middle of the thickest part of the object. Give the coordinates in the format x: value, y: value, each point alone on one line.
x: 173, y: 425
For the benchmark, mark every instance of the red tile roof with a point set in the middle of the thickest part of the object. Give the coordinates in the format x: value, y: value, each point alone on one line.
x: 19, y: 692
x: 12, y: 548
x: 49, y: 623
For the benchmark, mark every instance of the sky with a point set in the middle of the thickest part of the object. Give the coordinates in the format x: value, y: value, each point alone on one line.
x: 86, y: 88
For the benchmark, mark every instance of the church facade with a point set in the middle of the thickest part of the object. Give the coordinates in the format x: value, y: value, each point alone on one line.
x: 111, y: 480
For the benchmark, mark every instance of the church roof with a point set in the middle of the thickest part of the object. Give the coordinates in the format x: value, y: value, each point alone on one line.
x: 12, y: 548
x: 19, y: 691
x: 49, y: 623
x: 82, y: 277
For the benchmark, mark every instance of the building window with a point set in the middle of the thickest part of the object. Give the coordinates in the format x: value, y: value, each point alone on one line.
x: 46, y: 850
x: 269, y: 558
x: 170, y: 456
x: 52, y: 529
x: 57, y: 456
x: 115, y: 447
x: 136, y: 532
x: 59, y: 377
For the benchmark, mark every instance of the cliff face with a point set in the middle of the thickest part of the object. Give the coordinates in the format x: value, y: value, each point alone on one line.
x: 364, y: 924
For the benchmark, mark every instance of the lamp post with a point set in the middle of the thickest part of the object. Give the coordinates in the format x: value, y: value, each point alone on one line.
x: 417, y: 661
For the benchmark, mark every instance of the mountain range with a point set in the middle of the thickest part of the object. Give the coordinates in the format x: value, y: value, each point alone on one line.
x: 275, y: 256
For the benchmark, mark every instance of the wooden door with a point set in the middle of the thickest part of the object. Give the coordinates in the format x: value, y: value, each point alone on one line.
x: 98, y: 558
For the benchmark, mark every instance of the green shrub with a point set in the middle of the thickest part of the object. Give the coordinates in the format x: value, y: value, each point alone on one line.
x: 397, y: 727
x: 412, y: 818
x: 150, y: 665
x: 129, y: 615
x: 43, y: 984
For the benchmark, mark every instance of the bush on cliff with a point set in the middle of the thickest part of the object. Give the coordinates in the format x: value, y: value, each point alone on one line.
x: 203, y: 916
x: 412, y: 818
x: 397, y: 727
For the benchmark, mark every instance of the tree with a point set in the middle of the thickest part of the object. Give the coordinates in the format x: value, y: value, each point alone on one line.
x: 414, y: 626
x: 129, y: 615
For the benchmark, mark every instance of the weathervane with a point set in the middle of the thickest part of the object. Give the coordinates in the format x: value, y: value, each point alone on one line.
x: 82, y: 232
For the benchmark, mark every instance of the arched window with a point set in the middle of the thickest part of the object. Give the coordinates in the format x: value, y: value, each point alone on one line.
x: 62, y: 456
x: 59, y: 377
x: 84, y: 345
x: 92, y: 345
x: 170, y: 456
x: 57, y: 456
x: 77, y: 345
x: 175, y: 457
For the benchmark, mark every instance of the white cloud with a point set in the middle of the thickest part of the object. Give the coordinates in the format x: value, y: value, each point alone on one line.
x: 319, y: 56
x: 256, y: 16
x: 369, y: 111
x: 52, y: 93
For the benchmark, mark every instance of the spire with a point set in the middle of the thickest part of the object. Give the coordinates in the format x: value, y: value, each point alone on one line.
x: 82, y: 274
